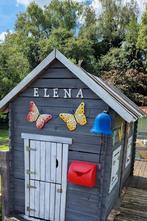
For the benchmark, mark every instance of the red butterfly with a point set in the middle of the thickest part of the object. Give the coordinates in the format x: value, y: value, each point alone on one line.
x: 34, y: 115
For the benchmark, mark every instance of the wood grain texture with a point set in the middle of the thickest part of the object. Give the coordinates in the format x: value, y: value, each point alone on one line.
x: 133, y: 206
x: 57, y: 72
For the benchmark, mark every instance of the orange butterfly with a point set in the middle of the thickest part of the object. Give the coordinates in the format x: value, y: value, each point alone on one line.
x: 34, y: 115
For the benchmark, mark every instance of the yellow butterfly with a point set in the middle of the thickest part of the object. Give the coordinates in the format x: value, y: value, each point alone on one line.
x: 71, y: 120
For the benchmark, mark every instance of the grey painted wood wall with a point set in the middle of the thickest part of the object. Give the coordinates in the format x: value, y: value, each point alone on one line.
x: 112, y: 199
x: 83, y: 204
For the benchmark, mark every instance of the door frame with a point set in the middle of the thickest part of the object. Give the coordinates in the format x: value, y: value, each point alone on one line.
x: 37, y: 137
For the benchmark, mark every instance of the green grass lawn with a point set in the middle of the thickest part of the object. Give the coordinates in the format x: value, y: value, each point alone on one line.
x: 4, y: 140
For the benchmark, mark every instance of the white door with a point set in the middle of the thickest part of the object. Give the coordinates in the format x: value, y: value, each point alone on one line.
x: 46, y: 160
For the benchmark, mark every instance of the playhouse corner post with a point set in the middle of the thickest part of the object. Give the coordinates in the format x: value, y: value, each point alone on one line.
x: 134, y: 147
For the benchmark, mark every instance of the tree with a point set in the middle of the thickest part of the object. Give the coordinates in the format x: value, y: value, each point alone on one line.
x: 142, y: 39
x: 142, y: 36
x: 39, y: 23
x: 44, y: 30
x: 122, y: 58
x: 32, y: 22
x: 97, y: 44
x: 13, y: 67
x: 27, y: 45
x: 63, y: 14
x: 132, y: 31
x: 131, y: 82
x: 112, y: 23
x: 59, y: 39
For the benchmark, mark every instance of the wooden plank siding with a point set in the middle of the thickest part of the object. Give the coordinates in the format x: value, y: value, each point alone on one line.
x: 83, y: 204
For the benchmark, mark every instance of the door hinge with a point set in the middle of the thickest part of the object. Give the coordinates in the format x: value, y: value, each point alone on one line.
x: 30, y: 210
x: 31, y: 187
x: 30, y: 149
x: 31, y: 172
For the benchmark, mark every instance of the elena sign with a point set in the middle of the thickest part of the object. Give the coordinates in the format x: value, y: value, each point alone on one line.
x: 58, y: 93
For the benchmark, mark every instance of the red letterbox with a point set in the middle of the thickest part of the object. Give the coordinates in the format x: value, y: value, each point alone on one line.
x: 82, y: 173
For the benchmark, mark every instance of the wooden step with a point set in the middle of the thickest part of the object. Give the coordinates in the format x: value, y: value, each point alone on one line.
x: 135, y: 199
x: 133, y: 206
x: 131, y: 215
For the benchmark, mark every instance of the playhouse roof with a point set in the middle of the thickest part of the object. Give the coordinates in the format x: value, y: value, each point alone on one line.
x: 128, y: 110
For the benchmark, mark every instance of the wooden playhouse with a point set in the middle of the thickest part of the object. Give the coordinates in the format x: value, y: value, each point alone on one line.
x: 57, y: 169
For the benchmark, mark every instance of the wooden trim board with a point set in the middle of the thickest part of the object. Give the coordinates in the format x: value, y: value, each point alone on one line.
x: 55, y: 139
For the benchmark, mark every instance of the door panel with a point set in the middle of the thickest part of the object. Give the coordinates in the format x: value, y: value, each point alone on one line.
x: 42, y: 161
x: 37, y: 159
x: 45, y: 200
x: 32, y: 159
x: 53, y: 162
x: 32, y: 198
x: 52, y: 199
x: 46, y: 179
x: 37, y: 199
x: 59, y: 163
x: 58, y: 202
x: 42, y: 200
x: 46, y: 161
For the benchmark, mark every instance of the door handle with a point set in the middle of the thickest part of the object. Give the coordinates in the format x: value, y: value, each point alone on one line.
x: 59, y: 190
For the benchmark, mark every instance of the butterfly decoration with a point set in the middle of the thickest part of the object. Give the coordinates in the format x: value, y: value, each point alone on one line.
x: 78, y: 117
x: 35, y: 116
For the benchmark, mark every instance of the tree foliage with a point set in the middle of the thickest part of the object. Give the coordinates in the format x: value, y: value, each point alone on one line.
x: 122, y: 58
x: 13, y: 68
x: 142, y: 36
x: 132, y: 82
x: 114, y: 20
x: 110, y: 43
